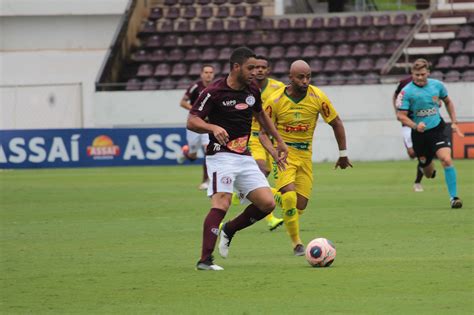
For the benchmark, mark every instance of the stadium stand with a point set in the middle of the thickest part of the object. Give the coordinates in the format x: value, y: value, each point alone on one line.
x: 177, y: 37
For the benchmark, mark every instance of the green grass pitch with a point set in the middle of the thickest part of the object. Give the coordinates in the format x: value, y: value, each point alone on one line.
x: 126, y: 240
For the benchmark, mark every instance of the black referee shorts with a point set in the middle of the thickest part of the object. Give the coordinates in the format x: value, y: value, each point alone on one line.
x: 427, y: 143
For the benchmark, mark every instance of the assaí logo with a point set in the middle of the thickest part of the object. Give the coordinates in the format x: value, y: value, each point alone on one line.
x: 103, y: 148
x: 19, y: 150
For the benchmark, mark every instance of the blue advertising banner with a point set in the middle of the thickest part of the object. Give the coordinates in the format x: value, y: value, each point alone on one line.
x: 89, y: 147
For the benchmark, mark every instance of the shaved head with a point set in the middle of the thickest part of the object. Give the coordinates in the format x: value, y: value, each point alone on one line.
x: 300, y: 77
x: 299, y: 66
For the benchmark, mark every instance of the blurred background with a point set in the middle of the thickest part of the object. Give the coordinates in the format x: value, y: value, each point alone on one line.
x: 125, y: 64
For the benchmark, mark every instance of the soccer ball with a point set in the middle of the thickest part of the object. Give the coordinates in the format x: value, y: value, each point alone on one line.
x: 320, y: 252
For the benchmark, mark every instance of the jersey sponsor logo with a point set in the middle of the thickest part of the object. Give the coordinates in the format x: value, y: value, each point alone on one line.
x: 241, y: 106
x: 204, y: 101
x: 226, y: 180
x: 229, y: 103
x: 291, y: 212
x: 238, y: 145
x: 103, y: 148
x: 426, y: 112
x: 250, y: 100
x: 215, y: 231
x: 297, y: 128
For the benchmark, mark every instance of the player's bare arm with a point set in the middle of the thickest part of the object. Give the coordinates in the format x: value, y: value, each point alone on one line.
x: 268, y: 126
x: 402, y: 116
x: 184, y: 103
x: 340, y: 134
x: 452, y: 114
x: 197, y: 124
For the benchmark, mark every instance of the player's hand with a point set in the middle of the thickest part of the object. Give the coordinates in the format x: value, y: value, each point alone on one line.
x: 421, y: 127
x: 455, y: 129
x: 282, y: 154
x: 343, y: 163
x: 221, y: 135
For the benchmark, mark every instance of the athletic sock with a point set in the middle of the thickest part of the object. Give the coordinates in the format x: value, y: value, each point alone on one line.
x: 419, y: 174
x: 450, y: 177
x: 291, y: 217
x: 205, y: 177
x: 249, y: 216
x: 210, y: 231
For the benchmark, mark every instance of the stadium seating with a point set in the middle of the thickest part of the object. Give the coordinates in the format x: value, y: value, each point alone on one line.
x: 180, y: 35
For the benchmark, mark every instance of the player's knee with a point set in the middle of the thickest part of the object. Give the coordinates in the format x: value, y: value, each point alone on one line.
x: 267, y: 206
x: 446, y: 161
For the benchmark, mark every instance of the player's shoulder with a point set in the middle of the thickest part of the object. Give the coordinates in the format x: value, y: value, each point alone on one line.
x: 315, y: 92
x: 435, y: 82
x: 253, y: 88
x: 275, y: 84
x: 216, y: 86
x: 277, y: 95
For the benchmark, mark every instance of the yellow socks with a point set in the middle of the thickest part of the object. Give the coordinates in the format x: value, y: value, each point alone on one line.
x: 290, y: 216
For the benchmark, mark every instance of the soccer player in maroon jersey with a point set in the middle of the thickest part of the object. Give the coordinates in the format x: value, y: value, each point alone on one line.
x: 195, y: 140
x: 406, y: 131
x: 229, y: 104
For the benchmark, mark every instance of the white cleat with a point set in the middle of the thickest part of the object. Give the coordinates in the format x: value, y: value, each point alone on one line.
x: 417, y: 187
x: 208, y: 264
x: 224, y: 243
x: 203, y: 185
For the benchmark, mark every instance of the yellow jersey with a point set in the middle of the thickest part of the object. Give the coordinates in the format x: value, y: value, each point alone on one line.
x: 271, y: 86
x: 297, y: 119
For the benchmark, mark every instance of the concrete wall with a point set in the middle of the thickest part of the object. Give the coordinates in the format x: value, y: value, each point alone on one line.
x: 45, y: 45
x: 372, y: 130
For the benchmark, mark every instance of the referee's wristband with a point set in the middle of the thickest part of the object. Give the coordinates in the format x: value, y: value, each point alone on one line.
x: 342, y: 153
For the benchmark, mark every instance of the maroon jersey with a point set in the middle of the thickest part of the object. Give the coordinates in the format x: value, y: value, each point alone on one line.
x: 401, y: 85
x: 231, y: 110
x: 194, y: 90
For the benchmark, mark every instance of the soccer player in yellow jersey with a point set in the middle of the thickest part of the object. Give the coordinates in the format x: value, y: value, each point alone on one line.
x: 259, y: 153
x: 295, y: 110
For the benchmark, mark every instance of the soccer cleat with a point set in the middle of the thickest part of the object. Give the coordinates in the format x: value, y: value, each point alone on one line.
x: 204, y: 185
x: 235, y: 199
x: 180, y: 158
x: 299, y: 250
x: 417, y: 187
x: 224, y: 242
x: 208, y: 264
x: 275, y: 223
x: 456, y: 203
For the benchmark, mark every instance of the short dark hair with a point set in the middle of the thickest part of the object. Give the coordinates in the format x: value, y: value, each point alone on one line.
x: 206, y: 65
x: 240, y: 55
